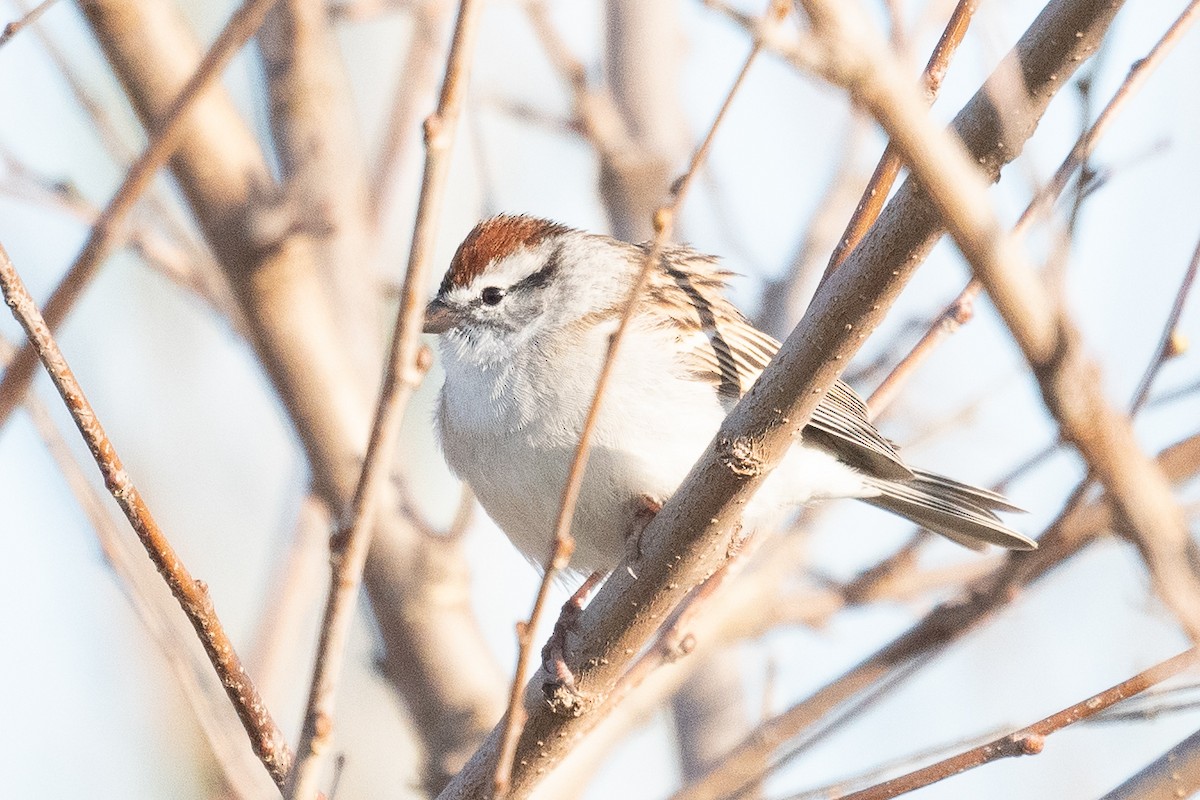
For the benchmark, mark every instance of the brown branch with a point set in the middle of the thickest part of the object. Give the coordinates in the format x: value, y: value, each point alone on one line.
x: 858, y: 60
x: 315, y: 133
x: 18, y: 25
x: 1176, y: 773
x: 785, y: 298
x: 1076, y: 527
x: 961, y: 309
x: 105, y: 234
x: 402, y: 373
x: 693, y: 533
x: 265, y: 737
x: 888, y: 168
x: 1027, y: 741
x: 415, y: 85
x: 156, y: 611
x: 419, y: 589
x: 1138, y: 73
x: 564, y: 543
x: 643, y: 63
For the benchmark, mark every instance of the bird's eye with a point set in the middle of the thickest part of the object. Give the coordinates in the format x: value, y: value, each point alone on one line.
x: 492, y: 295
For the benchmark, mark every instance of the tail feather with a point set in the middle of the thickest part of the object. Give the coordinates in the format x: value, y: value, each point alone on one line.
x: 962, y: 513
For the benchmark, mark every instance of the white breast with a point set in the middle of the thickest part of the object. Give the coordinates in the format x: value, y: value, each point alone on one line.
x: 511, y: 433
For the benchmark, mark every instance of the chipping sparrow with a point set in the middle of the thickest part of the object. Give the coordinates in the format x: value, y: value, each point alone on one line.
x: 525, y: 313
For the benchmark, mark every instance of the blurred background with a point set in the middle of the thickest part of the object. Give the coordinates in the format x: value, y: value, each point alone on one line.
x: 582, y: 111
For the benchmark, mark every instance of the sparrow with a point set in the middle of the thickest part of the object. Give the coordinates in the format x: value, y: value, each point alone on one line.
x: 524, y: 315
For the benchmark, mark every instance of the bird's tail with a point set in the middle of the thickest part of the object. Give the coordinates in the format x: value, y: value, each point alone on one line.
x: 962, y: 513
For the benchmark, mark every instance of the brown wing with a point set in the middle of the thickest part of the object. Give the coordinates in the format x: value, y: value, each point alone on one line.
x: 721, y: 347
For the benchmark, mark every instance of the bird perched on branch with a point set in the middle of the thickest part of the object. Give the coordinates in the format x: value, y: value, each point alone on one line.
x: 525, y: 313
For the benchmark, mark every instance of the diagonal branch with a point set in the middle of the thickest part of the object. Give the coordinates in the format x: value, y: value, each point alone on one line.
x: 1029, y: 740
x: 1076, y: 527
x: 858, y: 60
x: 961, y: 309
x: 888, y: 168
x: 105, y: 234
x: 265, y: 737
x: 18, y: 25
x: 696, y: 530
x: 402, y: 373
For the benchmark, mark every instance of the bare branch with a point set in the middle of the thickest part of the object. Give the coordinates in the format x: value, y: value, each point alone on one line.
x: 644, y: 60
x: 106, y: 232
x: 859, y: 61
x: 321, y: 161
x: 695, y: 531
x: 961, y: 309
x: 16, y: 26
x: 888, y: 168
x: 402, y: 374
x: 1028, y: 741
x: 1076, y: 527
x: 265, y: 737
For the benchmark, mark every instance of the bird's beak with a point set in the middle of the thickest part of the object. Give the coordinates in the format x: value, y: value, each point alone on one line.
x: 438, y: 317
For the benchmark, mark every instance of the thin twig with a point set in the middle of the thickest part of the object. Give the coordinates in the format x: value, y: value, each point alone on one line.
x: 880, y: 771
x: 156, y: 611
x: 413, y: 84
x: 1167, y: 347
x: 564, y: 543
x: 1027, y: 741
x: 690, y: 537
x: 199, y: 272
x: 888, y: 168
x: 265, y: 737
x: 1041, y: 326
x: 16, y: 26
x: 961, y: 309
x: 404, y: 369
x: 106, y: 233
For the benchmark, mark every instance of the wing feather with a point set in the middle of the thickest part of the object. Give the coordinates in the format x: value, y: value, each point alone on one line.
x: 721, y: 347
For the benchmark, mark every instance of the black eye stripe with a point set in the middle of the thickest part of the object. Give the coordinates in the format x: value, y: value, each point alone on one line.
x: 543, y: 275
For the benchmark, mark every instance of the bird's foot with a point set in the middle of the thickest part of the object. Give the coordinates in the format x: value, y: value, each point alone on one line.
x: 645, y: 509
x: 560, y: 687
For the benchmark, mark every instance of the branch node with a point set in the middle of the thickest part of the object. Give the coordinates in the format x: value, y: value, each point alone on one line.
x: 740, y: 456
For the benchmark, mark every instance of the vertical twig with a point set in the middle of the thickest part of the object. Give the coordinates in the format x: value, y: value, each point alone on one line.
x: 564, y: 543
x: 265, y: 737
x: 106, y: 232
x: 403, y: 371
x: 886, y: 172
